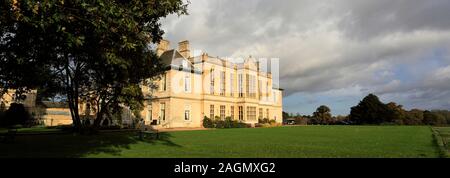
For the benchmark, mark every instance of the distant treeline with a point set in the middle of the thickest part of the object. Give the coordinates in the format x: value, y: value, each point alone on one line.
x: 371, y: 111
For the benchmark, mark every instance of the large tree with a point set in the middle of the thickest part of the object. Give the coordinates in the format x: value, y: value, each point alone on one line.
x: 433, y: 118
x: 396, y: 113
x: 414, y: 117
x: 93, y: 51
x: 323, y: 115
x: 370, y: 111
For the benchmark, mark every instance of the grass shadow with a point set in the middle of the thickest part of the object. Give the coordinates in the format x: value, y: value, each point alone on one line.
x: 75, y: 145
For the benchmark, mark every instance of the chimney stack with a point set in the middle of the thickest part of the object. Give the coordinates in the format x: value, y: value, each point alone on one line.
x: 183, y: 48
x: 163, y: 46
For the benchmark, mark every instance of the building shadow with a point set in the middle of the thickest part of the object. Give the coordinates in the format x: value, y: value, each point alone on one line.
x: 75, y: 145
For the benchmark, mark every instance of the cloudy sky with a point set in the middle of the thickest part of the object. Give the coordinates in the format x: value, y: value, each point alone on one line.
x: 332, y: 52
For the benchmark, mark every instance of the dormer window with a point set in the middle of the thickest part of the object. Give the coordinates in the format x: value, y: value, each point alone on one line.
x: 184, y: 64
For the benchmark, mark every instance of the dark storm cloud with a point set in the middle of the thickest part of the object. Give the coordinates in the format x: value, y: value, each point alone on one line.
x: 333, y: 47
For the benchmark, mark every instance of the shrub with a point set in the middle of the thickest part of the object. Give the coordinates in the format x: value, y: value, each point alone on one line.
x: 16, y: 115
x: 228, y: 123
x: 263, y: 121
x: 221, y: 124
x: 208, y: 123
x: 269, y: 124
x: 218, y: 123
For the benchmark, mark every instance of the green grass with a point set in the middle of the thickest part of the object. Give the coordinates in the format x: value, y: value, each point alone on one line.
x: 303, y: 141
x: 34, y: 129
x: 443, y: 140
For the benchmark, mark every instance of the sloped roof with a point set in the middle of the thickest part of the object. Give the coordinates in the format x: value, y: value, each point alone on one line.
x: 174, y: 60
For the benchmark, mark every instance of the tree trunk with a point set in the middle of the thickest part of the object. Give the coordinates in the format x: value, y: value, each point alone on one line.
x: 101, y: 111
x: 72, y: 96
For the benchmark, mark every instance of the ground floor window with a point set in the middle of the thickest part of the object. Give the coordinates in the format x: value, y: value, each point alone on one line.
x: 260, y: 113
x: 211, y: 111
x: 232, y: 113
x: 251, y: 113
x: 241, y: 113
x: 267, y: 113
x: 187, y: 113
x: 149, y: 112
x: 222, y: 112
x: 163, y: 111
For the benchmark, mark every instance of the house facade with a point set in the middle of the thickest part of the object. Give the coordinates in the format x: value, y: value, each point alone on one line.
x: 9, y: 97
x: 197, y: 86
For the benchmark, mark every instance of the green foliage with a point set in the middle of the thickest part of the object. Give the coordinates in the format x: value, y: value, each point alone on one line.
x: 263, y: 121
x: 208, y: 123
x: 89, y: 50
x: 16, y: 115
x: 221, y: 124
x: 414, y: 117
x: 396, y: 113
x: 228, y: 123
x: 322, y: 115
x: 370, y: 111
x: 432, y: 118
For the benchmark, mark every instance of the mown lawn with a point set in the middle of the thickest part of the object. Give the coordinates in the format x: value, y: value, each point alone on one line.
x: 33, y: 130
x: 444, y: 136
x: 295, y: 142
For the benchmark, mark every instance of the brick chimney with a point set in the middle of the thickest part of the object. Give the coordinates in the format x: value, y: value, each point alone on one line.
x: 183, y: 48
x: 162, y: 47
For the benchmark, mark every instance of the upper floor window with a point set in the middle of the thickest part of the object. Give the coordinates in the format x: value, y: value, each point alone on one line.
x: 187, y: 82
x: 259, y: 89
x: 222, y: 83
x: 247, y: 85
x: 251, y: 86
x: 274, y: 97
x: 240, y: 85
x: 163, y: 85
x: 211, y: 89
x: 211, y: 111
x: 231, y: 84
x: 184, y: 64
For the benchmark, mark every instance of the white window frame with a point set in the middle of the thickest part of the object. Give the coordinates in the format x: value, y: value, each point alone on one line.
x: 222, y: 83
x: 187, y: 113
x: 211, y: 84
x: 231, y: 84
x: 149, y: 113
x: 222, y: 112
x: 211, y: 111
x: 162, y: 111
x: 163, y: 83
x: 187, y: 82
x: 241, y: 85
